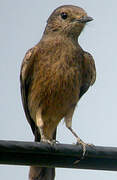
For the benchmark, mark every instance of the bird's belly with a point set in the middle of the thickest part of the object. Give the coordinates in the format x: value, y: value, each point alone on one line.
x: 58, y: 103
x: 55, y: 95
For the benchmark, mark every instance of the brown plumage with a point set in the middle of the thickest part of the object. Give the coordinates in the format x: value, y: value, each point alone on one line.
x: 54, y: 75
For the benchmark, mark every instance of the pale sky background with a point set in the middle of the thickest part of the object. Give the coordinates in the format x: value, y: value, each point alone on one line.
x: 21, y: 26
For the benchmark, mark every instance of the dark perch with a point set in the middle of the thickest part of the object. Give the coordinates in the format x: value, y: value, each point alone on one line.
x: 57, y: 155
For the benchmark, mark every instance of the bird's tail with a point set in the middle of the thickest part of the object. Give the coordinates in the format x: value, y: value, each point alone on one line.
x: 41, y: 173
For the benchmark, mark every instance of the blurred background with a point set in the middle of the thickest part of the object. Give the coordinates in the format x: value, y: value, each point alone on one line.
x: 21, y: 26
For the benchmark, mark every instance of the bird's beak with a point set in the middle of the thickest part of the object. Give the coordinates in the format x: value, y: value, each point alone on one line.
x: 85, y: 19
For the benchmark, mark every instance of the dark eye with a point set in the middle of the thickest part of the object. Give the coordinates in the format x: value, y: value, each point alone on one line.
x: 64, y: 15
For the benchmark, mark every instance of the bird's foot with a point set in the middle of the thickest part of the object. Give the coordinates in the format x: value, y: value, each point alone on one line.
x: 49, y: 141
x: 55, y: 141
x: 83, y: 144
x: 79, y: 141
x: 46, y: 141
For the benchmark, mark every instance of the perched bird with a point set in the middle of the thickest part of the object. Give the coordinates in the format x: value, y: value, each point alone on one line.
x: 55, y: 73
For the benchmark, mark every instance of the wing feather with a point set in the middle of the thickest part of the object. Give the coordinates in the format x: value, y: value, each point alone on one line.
x: 89, y: 73
x: 25, y: 79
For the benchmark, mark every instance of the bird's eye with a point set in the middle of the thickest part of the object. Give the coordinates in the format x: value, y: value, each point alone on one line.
x: 64, y: 15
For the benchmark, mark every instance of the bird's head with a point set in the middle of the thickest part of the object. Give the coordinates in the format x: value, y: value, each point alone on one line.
x: 67, y: 20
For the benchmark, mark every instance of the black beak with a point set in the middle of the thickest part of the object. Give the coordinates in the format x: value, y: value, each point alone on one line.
x: 85, y: 19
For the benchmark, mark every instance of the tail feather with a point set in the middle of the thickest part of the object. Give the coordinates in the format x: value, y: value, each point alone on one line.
x: 37, y: 173
x: 41, y: 173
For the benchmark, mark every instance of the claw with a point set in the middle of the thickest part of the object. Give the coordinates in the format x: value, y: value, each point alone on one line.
x: 79, y: 141
x: 53, y: 141
x: 46, y: 141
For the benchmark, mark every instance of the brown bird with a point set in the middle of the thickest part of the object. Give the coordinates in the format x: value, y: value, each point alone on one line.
x: 54, y: 75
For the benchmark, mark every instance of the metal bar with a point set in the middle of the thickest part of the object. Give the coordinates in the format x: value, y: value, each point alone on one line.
x: 58, y: 155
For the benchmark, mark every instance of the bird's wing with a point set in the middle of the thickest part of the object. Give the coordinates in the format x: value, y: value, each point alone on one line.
x: 89, y: 74
x: 25, y: 79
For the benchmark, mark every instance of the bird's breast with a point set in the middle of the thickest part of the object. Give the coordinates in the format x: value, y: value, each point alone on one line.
x: 55, y: 88
x: 55, y: 84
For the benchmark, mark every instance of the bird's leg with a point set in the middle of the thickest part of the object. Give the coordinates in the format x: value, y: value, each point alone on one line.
x: 68, y: 122
x: 79, y: 141
x: 40, y: 125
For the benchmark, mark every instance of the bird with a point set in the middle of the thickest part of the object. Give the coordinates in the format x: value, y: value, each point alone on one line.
x: 54, y: 75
